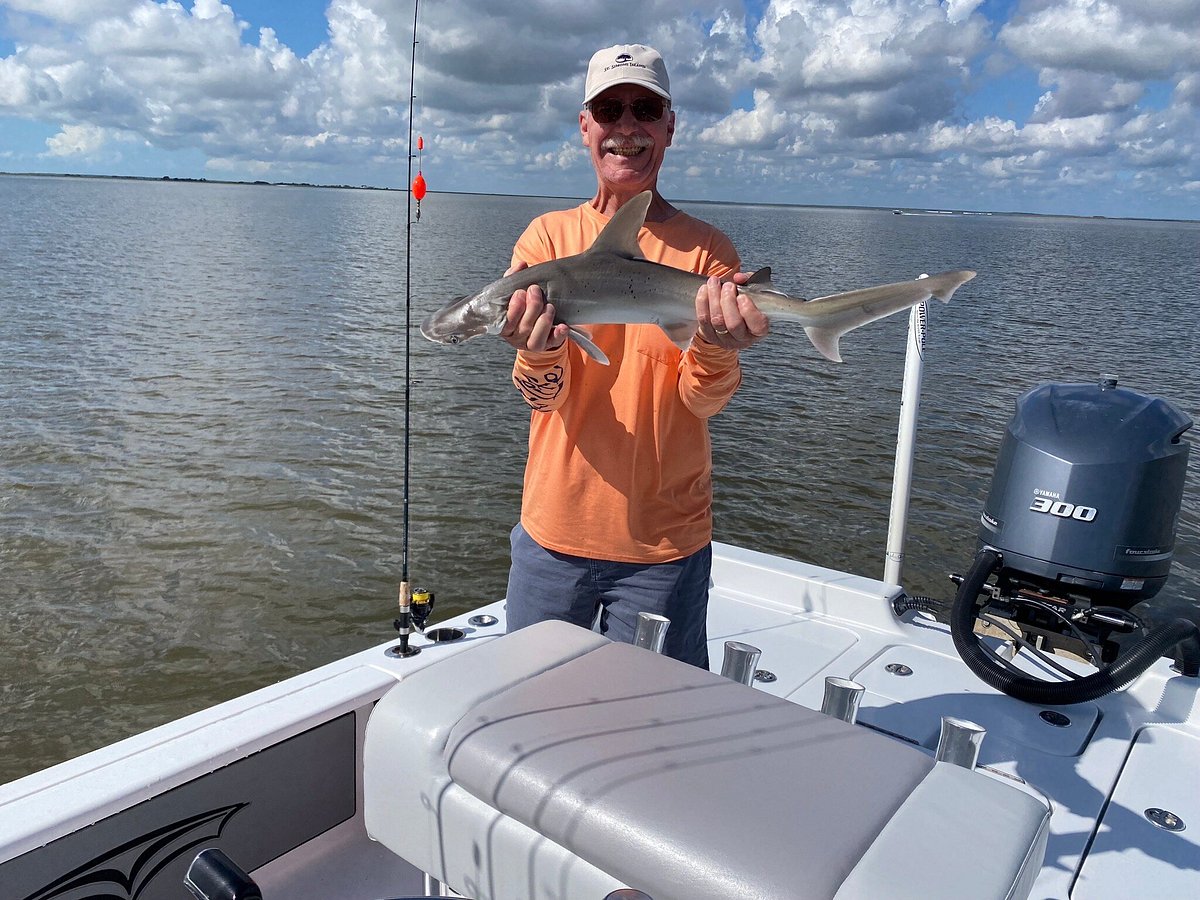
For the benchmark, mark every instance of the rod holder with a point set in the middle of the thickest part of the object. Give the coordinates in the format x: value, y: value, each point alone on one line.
x: 404, y: 624
x: 842, y: 697
x: 740, y: 662
x: 959, y: 742
x: 214, y: 876
x: 651, y: 631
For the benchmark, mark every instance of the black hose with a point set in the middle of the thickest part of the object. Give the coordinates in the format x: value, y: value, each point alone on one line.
x: 1133, y: 663
x: 906, y: 602
x: 1188, y: 655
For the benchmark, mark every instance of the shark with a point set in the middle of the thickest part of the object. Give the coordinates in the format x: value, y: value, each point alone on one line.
x: 612, y: 283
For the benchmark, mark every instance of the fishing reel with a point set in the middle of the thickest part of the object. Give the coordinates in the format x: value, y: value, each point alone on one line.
x: 415, y: 608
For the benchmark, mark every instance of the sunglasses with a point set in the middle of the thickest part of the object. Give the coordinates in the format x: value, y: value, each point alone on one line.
x: 644, y: 109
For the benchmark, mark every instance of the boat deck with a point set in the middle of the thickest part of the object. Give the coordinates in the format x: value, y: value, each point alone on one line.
x: 1102, y: 765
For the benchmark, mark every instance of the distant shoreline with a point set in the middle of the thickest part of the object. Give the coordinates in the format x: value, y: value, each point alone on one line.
x: 902, y: 210
x: 349, y: 187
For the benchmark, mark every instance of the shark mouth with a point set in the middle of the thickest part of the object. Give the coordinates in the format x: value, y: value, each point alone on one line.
x: 626, y: 146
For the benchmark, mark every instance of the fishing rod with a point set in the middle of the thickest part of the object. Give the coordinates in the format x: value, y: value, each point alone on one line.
x: 415, y: 606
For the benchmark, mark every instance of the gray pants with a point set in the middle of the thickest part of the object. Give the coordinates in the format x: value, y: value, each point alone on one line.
x: 543, y: 584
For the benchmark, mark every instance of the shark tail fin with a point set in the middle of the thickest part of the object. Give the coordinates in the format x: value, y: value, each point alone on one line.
x: 948, y: 283
x: 850, y: 310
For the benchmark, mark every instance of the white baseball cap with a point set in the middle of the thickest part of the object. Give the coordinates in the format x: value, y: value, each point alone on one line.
x: 627, y: 64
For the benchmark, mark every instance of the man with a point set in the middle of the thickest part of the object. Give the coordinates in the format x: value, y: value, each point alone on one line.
x: 617, y: 510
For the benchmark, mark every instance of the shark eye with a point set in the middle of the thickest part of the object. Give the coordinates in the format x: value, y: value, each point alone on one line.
x: 454, y: 339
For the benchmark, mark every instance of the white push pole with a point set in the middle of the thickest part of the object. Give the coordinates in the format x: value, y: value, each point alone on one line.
x: 906, y: 442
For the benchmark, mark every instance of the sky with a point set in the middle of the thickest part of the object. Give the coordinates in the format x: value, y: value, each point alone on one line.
x: 1072, y: 107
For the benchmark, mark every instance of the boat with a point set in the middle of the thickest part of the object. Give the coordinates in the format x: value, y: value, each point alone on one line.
x: 848, y: 742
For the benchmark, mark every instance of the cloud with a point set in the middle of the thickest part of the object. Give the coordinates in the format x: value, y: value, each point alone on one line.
x: 188, y: 77
x: 1187, y: 90
x: 497, y: 79
x: 844, y: 84
x: 16, y: 85
x: 783, y: 99
x: 1083, y: 94
x: 72, y: 12
x: 883, y: 82
x: 76, y: 140
x: 762, y: 126
x: 821, y: 51
x: 960, y: 10
x: 1128, y: 38
x: 993, y: 136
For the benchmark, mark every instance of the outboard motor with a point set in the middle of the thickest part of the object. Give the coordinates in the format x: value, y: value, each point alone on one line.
x: 1079, y: 525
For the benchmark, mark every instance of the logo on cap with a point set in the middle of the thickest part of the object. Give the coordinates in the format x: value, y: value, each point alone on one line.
x: 624, y: 57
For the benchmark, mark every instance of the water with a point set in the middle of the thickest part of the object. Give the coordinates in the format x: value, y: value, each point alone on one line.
x: 202, y: 396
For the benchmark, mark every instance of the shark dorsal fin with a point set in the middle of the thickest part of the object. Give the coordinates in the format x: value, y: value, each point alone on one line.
x: 620, y: 235
x: 762, y: 278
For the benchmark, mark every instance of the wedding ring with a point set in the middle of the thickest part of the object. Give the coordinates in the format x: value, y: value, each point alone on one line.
x: 721, y: 331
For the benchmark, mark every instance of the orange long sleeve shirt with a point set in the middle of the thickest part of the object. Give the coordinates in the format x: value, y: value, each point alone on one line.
x: 620, y: 466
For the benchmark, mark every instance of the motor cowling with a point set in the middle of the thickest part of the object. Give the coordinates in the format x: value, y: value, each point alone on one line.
x: 1087, y: 489
x: 1079, y: 525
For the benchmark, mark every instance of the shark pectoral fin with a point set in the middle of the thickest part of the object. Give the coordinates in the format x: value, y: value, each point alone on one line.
x: 589, y: 348
x: 620, y: 235
x: 826, y: 341
x: 680, y: 333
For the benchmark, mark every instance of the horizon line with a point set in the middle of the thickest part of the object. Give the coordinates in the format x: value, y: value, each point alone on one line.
x: 909, y: 210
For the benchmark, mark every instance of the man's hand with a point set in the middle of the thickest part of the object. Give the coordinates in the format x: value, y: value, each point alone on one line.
x: 726, y: 318
x: 530, y: 324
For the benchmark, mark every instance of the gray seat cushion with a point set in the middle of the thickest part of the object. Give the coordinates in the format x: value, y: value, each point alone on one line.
x: 663, y: 774
x: 553, y: 764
